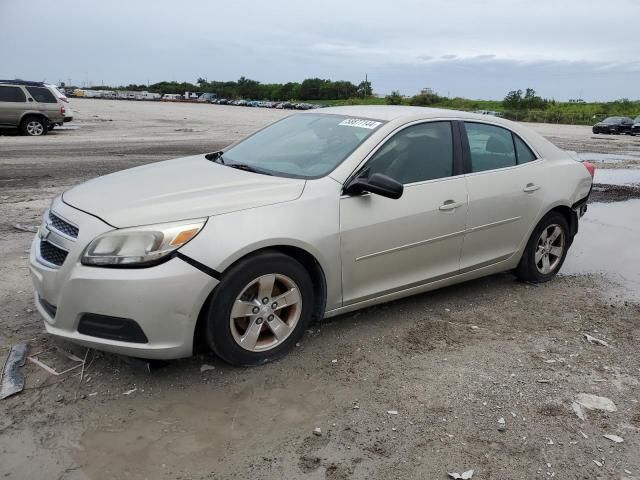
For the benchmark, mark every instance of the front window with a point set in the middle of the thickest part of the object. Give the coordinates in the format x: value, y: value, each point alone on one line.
x: 612, y: 120
x: 303, y: 145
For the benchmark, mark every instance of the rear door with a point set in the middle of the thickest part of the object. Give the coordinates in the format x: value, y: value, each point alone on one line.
x: 505, y: 185
x: 13, y: 102
x: 46, y: 102
x: 389, y: 245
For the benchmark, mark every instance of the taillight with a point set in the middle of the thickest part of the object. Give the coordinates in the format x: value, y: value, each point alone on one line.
x: 590, y: 167
x: 62, y: 110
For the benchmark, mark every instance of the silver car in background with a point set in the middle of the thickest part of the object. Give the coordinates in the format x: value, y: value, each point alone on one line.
x: 313, y: 216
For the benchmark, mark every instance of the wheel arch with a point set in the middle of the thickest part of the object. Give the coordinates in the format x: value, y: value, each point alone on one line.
x: 32, y: 113
x: 309, y: 261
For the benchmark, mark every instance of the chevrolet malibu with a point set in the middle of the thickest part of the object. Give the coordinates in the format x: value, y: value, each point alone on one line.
x: 313, y: 216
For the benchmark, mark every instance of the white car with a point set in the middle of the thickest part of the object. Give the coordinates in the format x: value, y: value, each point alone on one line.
x: 316, y: 215
x: 68, y: 113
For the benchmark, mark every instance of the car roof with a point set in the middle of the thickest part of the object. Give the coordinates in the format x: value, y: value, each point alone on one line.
x: 22, y: 82
x: 397, y: 112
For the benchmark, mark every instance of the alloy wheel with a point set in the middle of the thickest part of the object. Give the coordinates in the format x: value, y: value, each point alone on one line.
x: 35, y: 128
x: 549, y: 249
x: 265, y: 313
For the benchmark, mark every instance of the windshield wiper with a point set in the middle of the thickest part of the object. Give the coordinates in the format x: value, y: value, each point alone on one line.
x: 215, y: 157
x: 247, y: 168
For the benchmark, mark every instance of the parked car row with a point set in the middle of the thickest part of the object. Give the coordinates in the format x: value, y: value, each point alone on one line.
x: 34, y: 108
x: 618, y: 125
x: 267, y: 104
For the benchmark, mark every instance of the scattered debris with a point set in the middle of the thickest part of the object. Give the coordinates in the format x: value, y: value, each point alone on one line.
x: 597, y: 463
x: 591, y: 339
x: 502, y: 425
x: 549, y: 441
x: 129, y: 392
x: 474, y: 327
x: 465, y: 475
x: 584, y: 434
x: 392, y: 412
x: 544, y: 380
x: 35, y: 360
x: 204, y: 367
x: 335, y: 360
x: 26, y: 228
x: 317, y: 432
x: 12, y: 378
x: 614, y: 438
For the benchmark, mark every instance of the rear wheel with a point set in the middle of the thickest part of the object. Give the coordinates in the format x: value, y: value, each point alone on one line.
x: 34, y: 126
x: 546, y: 249
x: 260, y: 309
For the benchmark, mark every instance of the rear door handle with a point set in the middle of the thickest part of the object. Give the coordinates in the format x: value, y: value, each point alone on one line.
x: 531, y: 187
x: 450, y: 205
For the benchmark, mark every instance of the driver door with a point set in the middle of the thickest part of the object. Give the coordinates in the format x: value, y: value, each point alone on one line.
x: 389, y: 245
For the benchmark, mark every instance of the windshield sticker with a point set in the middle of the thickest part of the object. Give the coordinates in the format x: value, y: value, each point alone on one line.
x: 360, y: 123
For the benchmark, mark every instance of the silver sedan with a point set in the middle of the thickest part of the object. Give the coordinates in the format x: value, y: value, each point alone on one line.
x: 316, y: 215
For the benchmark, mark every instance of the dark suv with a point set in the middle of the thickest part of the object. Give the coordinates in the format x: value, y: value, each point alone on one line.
x: 29, y: 106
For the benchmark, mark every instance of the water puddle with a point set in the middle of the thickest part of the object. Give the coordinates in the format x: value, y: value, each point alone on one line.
x: 609, y: 157
x: 621, y: 176
x: 608, y: 242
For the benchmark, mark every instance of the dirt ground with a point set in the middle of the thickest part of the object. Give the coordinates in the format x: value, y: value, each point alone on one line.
x: 482, y: 375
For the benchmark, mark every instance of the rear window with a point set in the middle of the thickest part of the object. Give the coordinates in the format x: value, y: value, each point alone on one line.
x: 42, y: 95
x: 12, y: 94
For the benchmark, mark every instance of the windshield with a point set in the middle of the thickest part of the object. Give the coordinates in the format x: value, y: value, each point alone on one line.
x: 612, y: 120
x: 302, y: 145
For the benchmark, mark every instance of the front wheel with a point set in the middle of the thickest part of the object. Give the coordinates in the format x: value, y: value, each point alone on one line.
x: 546, y: 250
x: 260, y: 309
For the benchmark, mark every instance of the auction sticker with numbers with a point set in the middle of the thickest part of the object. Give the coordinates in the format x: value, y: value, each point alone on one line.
x: 360, y: 123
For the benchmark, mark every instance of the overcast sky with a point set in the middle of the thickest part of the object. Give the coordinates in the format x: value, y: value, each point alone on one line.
x: 476, y: 49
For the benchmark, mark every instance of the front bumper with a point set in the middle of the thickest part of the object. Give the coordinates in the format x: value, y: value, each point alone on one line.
x: 164, y: 300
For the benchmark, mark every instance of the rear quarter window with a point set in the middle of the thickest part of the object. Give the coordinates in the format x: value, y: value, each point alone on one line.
x: 12, y: 94
x: 523, y: 152
x: 42, y: 95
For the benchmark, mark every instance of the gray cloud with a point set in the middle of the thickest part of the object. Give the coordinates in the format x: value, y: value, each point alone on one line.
x: 474, y: 49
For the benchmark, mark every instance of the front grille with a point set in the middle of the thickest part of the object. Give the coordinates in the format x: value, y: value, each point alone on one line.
x: 63, y: 226
x: 51, y: 253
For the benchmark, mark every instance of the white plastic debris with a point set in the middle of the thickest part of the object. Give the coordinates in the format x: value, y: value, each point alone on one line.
x: 129, y: 392
x: 204, y: 367
x: 335, y: 360
x: 464, y: 476
x: 591, y: 339
x: 392, y: 412
x: 614, y: 438
x: 578, y: 410
x: 597, y: 463
x: 501, y: 421
x: 593, y: 402
x: 317, y: 432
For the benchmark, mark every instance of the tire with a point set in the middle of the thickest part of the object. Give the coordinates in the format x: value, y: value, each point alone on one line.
x: 529, y: 269
x: 34, y: 126
x: 244, y: 287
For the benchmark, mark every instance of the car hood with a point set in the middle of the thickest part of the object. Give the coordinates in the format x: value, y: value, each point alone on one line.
x: 184, y: 188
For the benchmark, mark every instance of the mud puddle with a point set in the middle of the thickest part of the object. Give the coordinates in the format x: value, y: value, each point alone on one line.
x: 611, y: 176
x: 158, y: 437
x: 607, y: 243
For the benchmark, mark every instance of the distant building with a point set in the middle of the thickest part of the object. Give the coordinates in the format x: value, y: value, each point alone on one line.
x: 427, y: 91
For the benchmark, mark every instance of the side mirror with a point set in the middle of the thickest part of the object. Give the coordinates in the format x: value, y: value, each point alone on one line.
x: 377, y: 184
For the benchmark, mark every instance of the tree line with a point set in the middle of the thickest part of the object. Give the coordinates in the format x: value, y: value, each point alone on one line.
x: 308, y: 89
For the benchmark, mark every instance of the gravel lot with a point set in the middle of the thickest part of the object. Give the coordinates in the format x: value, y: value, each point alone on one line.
x: 482, y: 375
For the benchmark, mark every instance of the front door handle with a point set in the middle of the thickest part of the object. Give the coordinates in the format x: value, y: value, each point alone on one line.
x: 450, y: 205
x: 531, y: 187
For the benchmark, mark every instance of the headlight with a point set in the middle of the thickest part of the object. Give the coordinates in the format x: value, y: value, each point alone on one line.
x: 140, y: 246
